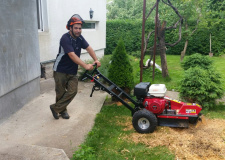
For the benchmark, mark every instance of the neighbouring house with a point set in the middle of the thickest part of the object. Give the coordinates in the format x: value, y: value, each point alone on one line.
x: 30, y: 31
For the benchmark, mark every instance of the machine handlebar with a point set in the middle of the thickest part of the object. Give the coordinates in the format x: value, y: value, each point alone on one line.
x: 86, y: 75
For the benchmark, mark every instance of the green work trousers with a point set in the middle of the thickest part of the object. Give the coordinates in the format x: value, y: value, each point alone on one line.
x: 66, y: 86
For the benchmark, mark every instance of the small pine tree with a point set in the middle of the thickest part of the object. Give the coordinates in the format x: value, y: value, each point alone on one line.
x: 201, y: 83
x: 120, y: 71
x: 196, y: 60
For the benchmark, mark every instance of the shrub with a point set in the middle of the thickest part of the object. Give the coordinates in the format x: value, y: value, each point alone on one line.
x: 120, y: 71
x: 196, y: 60
x: 201, y: 86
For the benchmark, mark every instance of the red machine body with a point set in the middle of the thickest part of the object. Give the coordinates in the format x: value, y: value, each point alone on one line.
x: 164, y: 107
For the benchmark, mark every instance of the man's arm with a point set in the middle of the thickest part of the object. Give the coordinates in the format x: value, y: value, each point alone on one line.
x: 93, y: 55
x: 78, y: 61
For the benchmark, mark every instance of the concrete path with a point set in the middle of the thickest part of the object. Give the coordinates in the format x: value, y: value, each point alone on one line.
x: 32, y: 133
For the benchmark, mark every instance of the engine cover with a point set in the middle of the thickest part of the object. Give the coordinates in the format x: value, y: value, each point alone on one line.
x: 141, y: 89
x: 155, y: 105
x: 157, y: 90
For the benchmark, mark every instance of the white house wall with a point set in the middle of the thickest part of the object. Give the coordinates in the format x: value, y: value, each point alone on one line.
x: 59, y: 12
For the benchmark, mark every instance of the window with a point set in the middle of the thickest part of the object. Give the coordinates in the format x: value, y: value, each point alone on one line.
x: 88, y: 25
x: 42, y: 16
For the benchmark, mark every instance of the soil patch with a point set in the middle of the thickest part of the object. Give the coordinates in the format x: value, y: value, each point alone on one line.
x: 206, y: 140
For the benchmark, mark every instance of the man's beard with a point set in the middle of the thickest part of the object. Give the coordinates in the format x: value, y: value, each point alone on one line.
x: 75, y: 34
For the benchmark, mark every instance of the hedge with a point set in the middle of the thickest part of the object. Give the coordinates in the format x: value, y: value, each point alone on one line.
x: 131, y: 30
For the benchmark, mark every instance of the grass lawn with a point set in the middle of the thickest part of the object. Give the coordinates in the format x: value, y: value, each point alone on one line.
x: 107, y: 140
x: 219, y: 63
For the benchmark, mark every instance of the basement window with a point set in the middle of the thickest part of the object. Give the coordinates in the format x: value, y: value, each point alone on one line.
x: 42, y: 16
x: 88, y: 25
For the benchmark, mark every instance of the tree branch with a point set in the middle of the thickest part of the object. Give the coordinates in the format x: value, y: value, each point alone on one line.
x: 176, y: 24
x: 176, y: 11
x: 171, y: 45
x: 150, y: 11
x: 195, y: 28
x: 146, y: 40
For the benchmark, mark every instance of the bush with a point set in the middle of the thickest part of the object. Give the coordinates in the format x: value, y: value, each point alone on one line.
x: 196, y: 60
x: 201, y: 83
x: 120, y: 71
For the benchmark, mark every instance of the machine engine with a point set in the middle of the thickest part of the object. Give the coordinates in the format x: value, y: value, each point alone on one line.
x: 152, y: 96
x: 153, y: 99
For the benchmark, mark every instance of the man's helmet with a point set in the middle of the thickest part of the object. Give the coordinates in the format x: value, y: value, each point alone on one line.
x: 75, y: 19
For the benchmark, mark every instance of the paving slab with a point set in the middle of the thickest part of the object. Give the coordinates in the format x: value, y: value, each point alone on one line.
x: 33, y: 132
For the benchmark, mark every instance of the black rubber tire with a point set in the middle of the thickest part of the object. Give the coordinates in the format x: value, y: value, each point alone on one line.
x: 144, y: 121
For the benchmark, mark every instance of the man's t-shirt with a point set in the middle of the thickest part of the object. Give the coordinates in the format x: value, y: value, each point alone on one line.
x: 68, y: 44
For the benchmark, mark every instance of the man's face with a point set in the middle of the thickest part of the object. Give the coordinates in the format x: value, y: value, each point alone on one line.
x: 76, y: 30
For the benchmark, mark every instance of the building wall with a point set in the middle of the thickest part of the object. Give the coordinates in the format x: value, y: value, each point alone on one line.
x: 59, y: 13
x: 19, y: 55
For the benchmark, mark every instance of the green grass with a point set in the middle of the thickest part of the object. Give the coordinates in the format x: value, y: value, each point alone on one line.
x: 218, y: 112
x: 176, y: 72
x: 218, y: 62
x: 174, y: 67
x: 107, y: 140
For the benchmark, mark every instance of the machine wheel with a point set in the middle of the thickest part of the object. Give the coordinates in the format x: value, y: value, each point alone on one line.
x: 144, y: 121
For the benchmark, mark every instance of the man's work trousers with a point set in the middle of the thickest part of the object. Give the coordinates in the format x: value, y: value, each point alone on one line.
x: 66, y: 86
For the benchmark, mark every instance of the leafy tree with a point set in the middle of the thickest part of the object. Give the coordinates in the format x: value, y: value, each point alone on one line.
x: 120, y: 71
x: 125, y: 9
x: 191, y: 12
x: 215, y: 8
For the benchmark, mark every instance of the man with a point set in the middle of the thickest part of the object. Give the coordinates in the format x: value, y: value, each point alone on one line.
x: 66, y: 65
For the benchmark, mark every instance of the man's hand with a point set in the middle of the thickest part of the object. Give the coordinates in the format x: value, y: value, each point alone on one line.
x: 89, y: 67
x: 98, y: 63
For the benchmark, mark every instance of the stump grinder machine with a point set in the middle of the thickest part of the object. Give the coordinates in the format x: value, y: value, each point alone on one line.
x: 151, y: 107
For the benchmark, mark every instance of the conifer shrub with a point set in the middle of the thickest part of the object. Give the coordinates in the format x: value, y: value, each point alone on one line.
x: 196, y: 60
x: 120, y: 71
x: 201, y: 83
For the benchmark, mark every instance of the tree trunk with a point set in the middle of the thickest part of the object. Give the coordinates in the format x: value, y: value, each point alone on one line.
x: 162, y: 48
x: 184, y: 51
